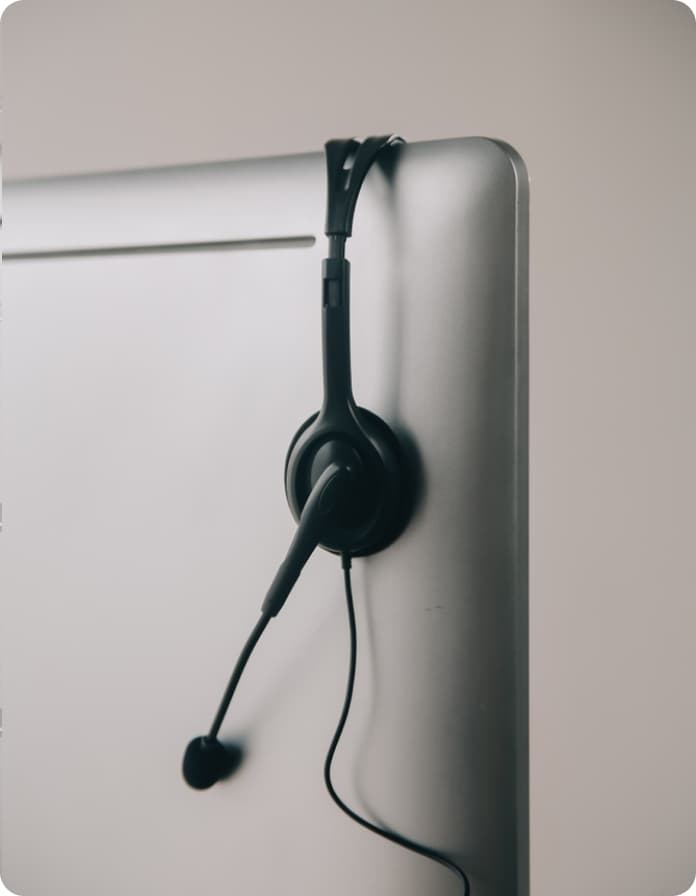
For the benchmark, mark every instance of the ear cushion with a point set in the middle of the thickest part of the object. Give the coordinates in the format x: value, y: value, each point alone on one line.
x: 295, y: 439
x: 382, y: 509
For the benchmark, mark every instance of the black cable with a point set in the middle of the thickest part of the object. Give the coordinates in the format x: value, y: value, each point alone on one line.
x: 388, y: 835
x: 258, y: 630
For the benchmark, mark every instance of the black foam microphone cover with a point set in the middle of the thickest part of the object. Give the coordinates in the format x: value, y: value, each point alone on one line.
x: 206, y: 761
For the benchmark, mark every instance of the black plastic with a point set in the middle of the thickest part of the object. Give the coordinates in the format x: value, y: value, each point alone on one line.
x: 347, y: 164
x: 345, y: 473
x: 206, y: 761
x: 323, y: 506
x: 380, y: 499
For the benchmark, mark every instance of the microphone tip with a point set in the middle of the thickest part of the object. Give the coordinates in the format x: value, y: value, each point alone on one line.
x: 206, y: 761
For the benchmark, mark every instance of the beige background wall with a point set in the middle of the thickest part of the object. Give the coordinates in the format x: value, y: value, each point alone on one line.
x: 598, y: 98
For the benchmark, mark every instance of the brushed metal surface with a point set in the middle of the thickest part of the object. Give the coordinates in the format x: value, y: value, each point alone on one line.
x: 148, y: 404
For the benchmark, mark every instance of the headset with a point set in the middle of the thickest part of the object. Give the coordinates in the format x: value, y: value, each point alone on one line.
x: 347, y: 480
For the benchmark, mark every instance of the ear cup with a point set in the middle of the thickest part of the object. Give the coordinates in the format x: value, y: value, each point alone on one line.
x: 378, y: 510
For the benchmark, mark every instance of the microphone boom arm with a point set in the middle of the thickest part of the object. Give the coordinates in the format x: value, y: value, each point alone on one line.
x: 205, y: 757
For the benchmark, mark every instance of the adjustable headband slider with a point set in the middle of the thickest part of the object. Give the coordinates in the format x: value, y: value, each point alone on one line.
x: 335, y: 278
x: 335, y: 269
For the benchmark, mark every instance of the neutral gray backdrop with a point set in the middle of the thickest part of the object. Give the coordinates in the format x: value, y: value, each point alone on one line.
x: 598, y: 98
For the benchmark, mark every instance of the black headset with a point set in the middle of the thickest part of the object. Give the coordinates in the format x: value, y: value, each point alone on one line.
x: 347, y: 480
x: 341, y: 432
